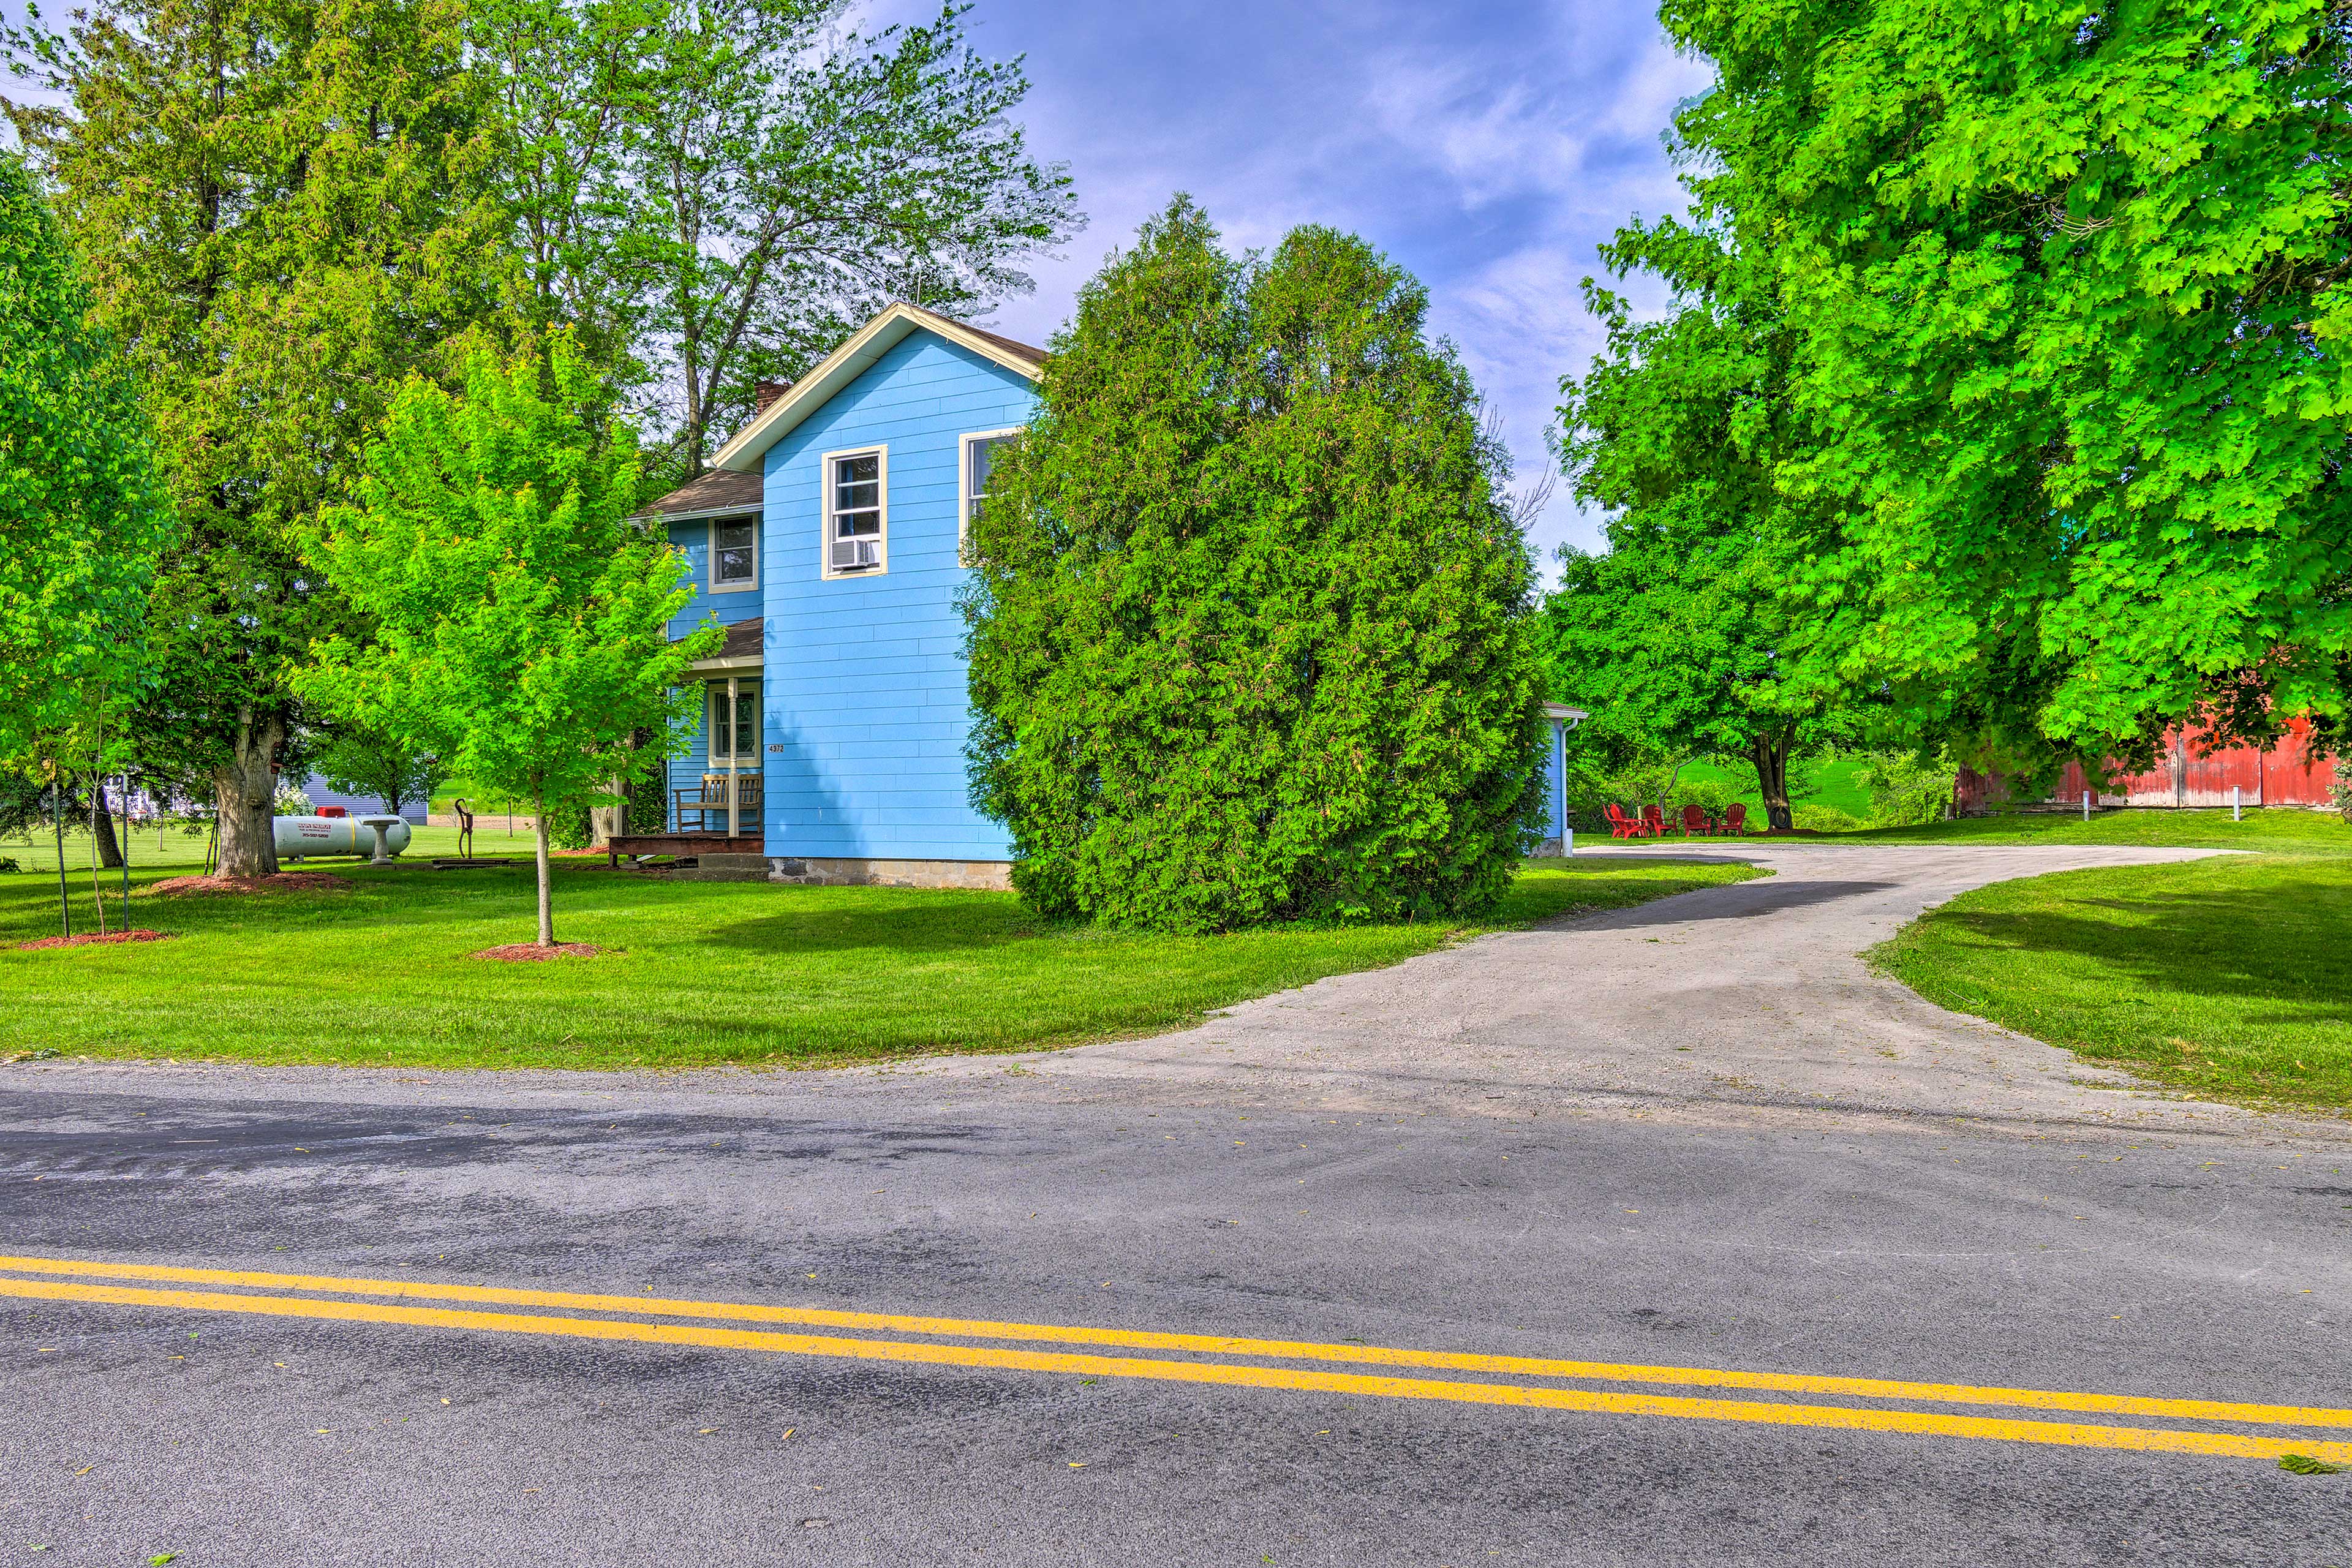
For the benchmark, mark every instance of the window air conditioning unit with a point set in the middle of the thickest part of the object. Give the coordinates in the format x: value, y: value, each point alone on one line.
x: 856, y: 554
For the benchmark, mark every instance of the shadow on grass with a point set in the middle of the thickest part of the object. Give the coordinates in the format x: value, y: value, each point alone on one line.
x: 914, y: 930
x: 2283, y: 944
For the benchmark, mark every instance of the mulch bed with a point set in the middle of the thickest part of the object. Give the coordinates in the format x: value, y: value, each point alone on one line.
x: 531, y: 952
x: 283, y: 882
x: 95, y: 939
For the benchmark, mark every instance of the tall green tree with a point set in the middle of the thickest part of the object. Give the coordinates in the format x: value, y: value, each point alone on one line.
x: 1250, y: 620
x: 382, y: 766
x: 1682, y: 637
x: 520, y: 620
x: 2068, y: 289
x: 280, y: 210
x: 82, y: 518
x: 714, y: 193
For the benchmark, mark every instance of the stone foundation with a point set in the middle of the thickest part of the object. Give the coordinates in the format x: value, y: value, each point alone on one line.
x: 985, y: 876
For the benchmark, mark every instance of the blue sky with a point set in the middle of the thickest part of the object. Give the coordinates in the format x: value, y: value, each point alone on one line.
x: 1489, y: 148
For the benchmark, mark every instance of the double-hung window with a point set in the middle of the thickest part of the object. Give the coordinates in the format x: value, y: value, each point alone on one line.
x: 856, y: 512
x: 734, y: 555
x: 980, y: 450
x: 734, y: 735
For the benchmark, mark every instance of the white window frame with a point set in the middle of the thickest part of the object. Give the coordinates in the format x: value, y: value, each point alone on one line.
x: 711, y: 570
x: 714, y: 697
x: 826, y: 494
x: 964, y: 481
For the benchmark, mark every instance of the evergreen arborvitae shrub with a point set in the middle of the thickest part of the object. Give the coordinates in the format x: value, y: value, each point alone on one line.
x: 1249, y: 623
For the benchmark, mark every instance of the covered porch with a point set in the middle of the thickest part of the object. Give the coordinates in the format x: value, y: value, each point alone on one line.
x: 717, y: 801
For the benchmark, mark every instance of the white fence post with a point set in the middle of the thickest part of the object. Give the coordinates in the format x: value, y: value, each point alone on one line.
x: 2086, y: 805
x: 2236, y: 814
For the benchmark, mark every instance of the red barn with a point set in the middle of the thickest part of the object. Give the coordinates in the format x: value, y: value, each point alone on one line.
x: 2285, y: 775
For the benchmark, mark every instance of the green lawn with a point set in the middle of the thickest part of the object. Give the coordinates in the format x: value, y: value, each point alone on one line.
x: 2279, y: 829
x: 2231, y: 976
x: 706, y: 973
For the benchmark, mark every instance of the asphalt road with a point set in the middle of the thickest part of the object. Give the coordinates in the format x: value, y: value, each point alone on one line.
x: 363, y: 1416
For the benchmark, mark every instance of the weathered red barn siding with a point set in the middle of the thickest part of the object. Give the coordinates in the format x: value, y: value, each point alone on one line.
x: 2285, y: 775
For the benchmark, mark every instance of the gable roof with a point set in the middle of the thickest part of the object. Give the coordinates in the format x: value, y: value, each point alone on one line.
x: 715, y: 491
x: 853, y: 359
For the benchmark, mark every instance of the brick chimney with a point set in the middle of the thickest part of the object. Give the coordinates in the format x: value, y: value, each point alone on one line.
x: 767, y: 391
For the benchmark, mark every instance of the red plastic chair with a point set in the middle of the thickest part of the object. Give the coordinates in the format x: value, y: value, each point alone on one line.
x: 1734, y: 817
x: 1620, y: 825
x: 1695, y: 822
x: 1654, y: 821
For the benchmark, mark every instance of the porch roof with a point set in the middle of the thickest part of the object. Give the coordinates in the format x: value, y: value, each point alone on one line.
x: 743, y: 648
x: 716, y: 492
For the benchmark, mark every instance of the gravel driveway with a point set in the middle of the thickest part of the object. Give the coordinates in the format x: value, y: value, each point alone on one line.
x: 1735, y: 1003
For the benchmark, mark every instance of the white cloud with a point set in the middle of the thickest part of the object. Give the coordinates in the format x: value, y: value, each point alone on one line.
x: 1490, y: 149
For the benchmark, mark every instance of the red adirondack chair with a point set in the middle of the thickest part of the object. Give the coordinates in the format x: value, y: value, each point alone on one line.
x: 1695, y: 821
x: 1734, y: 817
x: 1620, y: 825
x: 1654, y: 821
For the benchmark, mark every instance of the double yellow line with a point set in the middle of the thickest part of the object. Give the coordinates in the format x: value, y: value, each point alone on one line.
x: 1231, y: 1361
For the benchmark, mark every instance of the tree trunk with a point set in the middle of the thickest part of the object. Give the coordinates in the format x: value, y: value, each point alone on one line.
x: 606, y: 822
x: 101, y: 826
x: 245, y: 791
x: 1769, y: 752
x: 546, y: 901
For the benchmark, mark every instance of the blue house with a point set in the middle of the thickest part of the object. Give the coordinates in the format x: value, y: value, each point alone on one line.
x: 827, y: 540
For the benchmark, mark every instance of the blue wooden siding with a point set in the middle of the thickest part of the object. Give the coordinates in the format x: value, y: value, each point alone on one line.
x: 866, y: 706
x: 1555, y: 773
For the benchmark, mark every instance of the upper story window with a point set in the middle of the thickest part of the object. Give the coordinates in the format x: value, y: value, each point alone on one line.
x: 734, y: 555
x: 856, y: 511
x: 980, y: 450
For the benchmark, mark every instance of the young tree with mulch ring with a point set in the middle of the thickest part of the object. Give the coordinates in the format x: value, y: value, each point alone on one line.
x: 1250, y: 621
x: 520, y: 619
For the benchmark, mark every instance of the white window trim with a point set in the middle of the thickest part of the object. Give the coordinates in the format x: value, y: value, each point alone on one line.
x: 714, y: 695
x: 712, y: 559
x: 964, y: 481
x: 824, y: 509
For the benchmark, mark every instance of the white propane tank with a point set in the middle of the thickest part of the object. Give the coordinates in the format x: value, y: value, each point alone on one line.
x: 301, y: 836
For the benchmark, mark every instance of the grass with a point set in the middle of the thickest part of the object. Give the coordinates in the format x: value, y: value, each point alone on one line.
x: 2231, y: 976
x: 706, y: 973
x: 2278, y: 829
